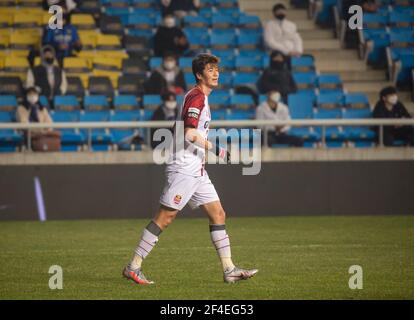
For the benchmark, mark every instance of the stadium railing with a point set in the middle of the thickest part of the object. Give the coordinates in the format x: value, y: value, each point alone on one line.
x: 323, y: 123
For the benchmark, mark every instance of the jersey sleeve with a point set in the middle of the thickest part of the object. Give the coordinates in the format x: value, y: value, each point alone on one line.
x: 192, y: 108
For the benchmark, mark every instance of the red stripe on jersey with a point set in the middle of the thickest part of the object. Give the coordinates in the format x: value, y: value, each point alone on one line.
x: 193, y: 105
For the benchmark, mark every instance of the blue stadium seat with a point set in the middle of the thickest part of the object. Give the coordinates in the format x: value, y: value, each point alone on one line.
x: 71, y: 139
x: 356, y: 101
x: 101, y: 138
x: 95, y: 103
x: 219, y: 100
x: 223, y: 40
x: 142, y: 3
x: 207, y: 13
x: 198, y: 41
x: 66, y: 103
x: 8, y: 103
x: 155, y: 62
x: 255, y: 53
x: 303, y: 64
x: 145, y: 33
x: 221, y: 4
x: 225, y: 81
x: 241, y: 107
x: 245, y: 78
x: 227, y: 59
x: 332, y: 134
x: 301, y: 107
x: 114, y: 3
x: 329, y: 83
x: 125, y: 102
x: 7, y: 116
x: 248, y: 64
x: 249, y: 22
x: 185, y: 63
x: 140, y: 21
x: 249, y: 41
x: 151, y: 101
x: 380, y: 39
x: 119, y: 135
x: 189, y: 79
x: 358, y: 133
x: 400, y: 19
x: 196, y: 21
x: 375, y: 21
x: 44, y: 101
x: 330, y: 100
x: 219, y: 114
x: 232, y: 12
x: 221, y: 21
x: 10, y: 140
x: 305, y: 82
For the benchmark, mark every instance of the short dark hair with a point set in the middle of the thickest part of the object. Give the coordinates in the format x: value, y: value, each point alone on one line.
x: 278, y: 6
x: 387, y: 91
x: 200, y: 62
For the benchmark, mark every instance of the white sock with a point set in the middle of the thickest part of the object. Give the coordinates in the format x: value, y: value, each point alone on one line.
x: 148, y: 240
x: 221, y: 241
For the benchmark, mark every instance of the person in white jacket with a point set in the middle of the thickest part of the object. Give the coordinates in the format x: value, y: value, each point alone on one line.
x: 274, y: 109
x: 281, y: 34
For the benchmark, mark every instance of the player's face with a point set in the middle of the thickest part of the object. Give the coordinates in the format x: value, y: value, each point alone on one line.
x: 210, y: 75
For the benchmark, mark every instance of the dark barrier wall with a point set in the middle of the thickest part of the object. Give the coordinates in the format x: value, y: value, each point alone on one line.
x: 288, y: 188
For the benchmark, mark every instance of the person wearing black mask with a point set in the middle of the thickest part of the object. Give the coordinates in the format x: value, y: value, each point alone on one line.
x: 277, y: 77
x: 167, y: 111
x: 170, y: 38
x: 281, y: 34
x: 49, y: 77
x: 388, y: 107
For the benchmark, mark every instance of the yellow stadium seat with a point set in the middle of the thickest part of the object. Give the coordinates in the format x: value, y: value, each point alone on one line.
x: 29, y: 3
x: 107, y: 63
x: 16, y: 66
x: 88, y: 41
x: 78, y: 67
x: 24, y: 20
x: 1, y: 63
x: 112, y: 75
x: 21, y: 42
x: 83, y: 21
x: 4, y: 41
x: 108, y: 42
x: 6, y: 19
x: 88, y: 55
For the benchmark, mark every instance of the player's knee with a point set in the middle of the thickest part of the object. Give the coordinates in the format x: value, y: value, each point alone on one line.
x: 168, y: 218
x: 220, y: 216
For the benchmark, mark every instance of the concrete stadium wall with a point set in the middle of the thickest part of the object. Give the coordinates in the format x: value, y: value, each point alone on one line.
x: 281, y: 188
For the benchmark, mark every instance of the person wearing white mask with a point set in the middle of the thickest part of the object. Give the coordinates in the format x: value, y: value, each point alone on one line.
x: 274, y: 109
x: 167, y: 111
x: 170, y: 38
x: 388, y: 107
x: 167, y: 77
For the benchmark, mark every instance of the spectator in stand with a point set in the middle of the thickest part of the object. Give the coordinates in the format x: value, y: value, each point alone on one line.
x: 170, y: 38
x: 274, y: 109
x: 277, y: 77
x: 50, y: 78
x: 281, y: 34
x: 69, y: 5
x: 65, y: 41
x: 369, y: 6
x: 168, y: 77
x: 180, y: 8
x: 389, y: 107
x: 167, y: 111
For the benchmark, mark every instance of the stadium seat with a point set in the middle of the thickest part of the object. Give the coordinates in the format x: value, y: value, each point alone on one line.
x: 66, y: 103
x: 71, y: 139
x: 249, y: 64
x: 142, y: 4
x: 151, y: 101
x: 196, y: 21
x: 108, y: 42
x: 300, y: 106
x: 222, y: 4
x: 125, y: 102
x: 11, y: 86
x: 222, y: 41
x: 303, y: 64
x: 330, y: 100
x: 219, y: 100
x: 111, y: 25
x: 225, y: 81
x: 75, y: 87
x: 131, y: 84
x: 249, y: 22
x: 185, y: 64
x: 222, y: 21
x: 83, y: 21
x: 329, y: 83
x: 119, y: 135
x: 100, y: 85
x: 16, y: 66
x: 139, y: 45
x: 134, y: 66
x: 249, y: 41
x: 245, y: 79
x: 189, y: 79
x: 332, y: 133
x: 25, y: 21
x: 101, y: 139
x: 356, y: 101
x: 8, y: 103
x: 89, y: 6
x: 10, y: 140
x: 358, y: 133
x: 95, y: 103
x: 155, y: 62
x: 6, y: 116
x: 140, y: 21
x: 77, y: 67
x: 305, y: 82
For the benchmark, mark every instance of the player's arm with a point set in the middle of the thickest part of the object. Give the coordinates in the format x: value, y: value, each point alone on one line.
x: 192, y: 135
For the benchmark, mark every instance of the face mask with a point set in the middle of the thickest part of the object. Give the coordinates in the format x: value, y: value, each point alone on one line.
x: 170, y: 105
x: 32, y: 98
x: 392, y: 99
x: 169, y: 22
x: 280, y: 16
x: 49, y: 60
x: 275, y: 97
x: 169, y: 65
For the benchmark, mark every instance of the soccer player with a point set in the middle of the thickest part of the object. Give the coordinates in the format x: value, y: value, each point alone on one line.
x: 187, y: 181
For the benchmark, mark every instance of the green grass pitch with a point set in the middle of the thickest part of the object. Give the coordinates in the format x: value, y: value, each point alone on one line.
x: 298, y: 258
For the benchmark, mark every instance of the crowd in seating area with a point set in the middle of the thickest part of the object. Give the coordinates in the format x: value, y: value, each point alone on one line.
x: 130, y: 60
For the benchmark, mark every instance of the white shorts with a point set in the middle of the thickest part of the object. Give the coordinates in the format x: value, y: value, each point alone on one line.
x: 181, y: 189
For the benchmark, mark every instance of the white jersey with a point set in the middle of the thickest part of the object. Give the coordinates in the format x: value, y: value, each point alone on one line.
x: 194, y: 113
